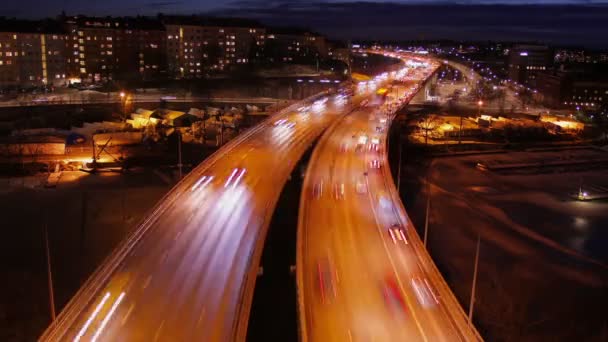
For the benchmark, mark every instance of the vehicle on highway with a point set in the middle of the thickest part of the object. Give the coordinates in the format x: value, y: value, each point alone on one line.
x: 424, y: 291
x: 392, y: 295
x: 235, y: 177
x: 362, y: 139
x: 284, y: 123
x: 317, y: 190
x: 338, y: 191
x: 361, y: 186
x: 326, y: 278
x: 374, y: 164
x: 397, y: 234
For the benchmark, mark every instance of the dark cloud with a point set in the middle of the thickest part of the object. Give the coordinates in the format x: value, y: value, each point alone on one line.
x: 558, y: 24
x: 163, y: 4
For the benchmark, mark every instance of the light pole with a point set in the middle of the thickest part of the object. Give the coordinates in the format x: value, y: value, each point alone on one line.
x: 473, y: 285
x: 428, y: 207
x: 179, y: 153
x: 49, y: 273
x: 123, y: 101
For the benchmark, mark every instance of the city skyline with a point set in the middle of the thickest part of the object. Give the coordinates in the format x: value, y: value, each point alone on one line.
x: 556, y: 22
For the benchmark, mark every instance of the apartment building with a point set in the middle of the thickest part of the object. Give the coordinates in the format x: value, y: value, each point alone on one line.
x: 105, y: 49
x: 32, y: 55
x: 196, y: 47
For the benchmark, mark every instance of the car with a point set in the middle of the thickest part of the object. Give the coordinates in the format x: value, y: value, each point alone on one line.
x: 361, y: 187
x: 338, y: 191
x: 317, y: 190
x: 326, y: 278
x: 397, y: 234
x: 375, y: 140
x: 374, y: 164
x: 363, y: 139
x: 392, y: 295
x: 424, y: 291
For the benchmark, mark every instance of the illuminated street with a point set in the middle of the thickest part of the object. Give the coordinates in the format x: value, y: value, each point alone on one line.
x: 186, y: 274
x: 363, y: 272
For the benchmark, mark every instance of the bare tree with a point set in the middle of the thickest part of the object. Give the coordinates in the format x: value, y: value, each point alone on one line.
x: 427, y: 125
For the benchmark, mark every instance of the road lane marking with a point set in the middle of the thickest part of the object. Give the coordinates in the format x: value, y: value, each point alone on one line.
x: 147, y: 282
x: 157, y: 334
x: 390, y: 258
x: 124, y: 319
x: 200, y: 317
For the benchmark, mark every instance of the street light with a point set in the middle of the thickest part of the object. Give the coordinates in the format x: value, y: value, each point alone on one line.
x: 123, y: 99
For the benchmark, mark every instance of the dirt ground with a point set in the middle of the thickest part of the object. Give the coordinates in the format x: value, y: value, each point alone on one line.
x: 543, y: 272
x: 86, y: 216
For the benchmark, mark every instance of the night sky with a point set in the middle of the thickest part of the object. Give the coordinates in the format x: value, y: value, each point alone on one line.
x: 561, y: 22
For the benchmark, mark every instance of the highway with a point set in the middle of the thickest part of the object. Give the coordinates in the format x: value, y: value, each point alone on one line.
x: 362, y: 272
x: 187, y: 273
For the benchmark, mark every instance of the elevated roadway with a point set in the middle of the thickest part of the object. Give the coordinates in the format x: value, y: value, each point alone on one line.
x: 362, y: 272
x: 187, y: 273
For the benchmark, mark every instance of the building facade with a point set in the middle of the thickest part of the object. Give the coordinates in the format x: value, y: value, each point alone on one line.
x: 83, y: 49
x: 105, y: 49
x: 572, y: 89
x: 32, y: 58
x: 295, y: 46
x: 527, y: 61
x: 195, y: 48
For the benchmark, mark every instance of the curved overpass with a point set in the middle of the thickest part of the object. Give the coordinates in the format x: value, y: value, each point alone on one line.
x: 187, y: 273
x: 363, y: 274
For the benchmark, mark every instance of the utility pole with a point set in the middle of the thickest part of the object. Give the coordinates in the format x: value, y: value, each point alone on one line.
x: 48, y: 272
x: 460, y: 130
x: 472, y: 302
x: 179, y: 153
x: 399, y: 167
x: 428, y: 207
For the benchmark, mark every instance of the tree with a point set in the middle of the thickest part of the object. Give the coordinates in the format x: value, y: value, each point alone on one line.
x: 525, y: 96
x: 501, y: 96
x: 600, y: 119
x: 427, y: 125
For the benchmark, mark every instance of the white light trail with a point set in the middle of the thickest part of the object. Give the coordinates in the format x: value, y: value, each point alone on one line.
x: 238, y: 178
x: 230, y: 178
x: 108, y: 316
x: 92, y: 317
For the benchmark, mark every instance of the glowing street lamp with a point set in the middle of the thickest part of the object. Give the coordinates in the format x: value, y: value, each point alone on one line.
x: 123, y: 99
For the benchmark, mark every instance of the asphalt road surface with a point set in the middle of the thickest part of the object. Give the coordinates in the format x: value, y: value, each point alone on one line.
x: 364, y: 274
x: 188, y: 272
